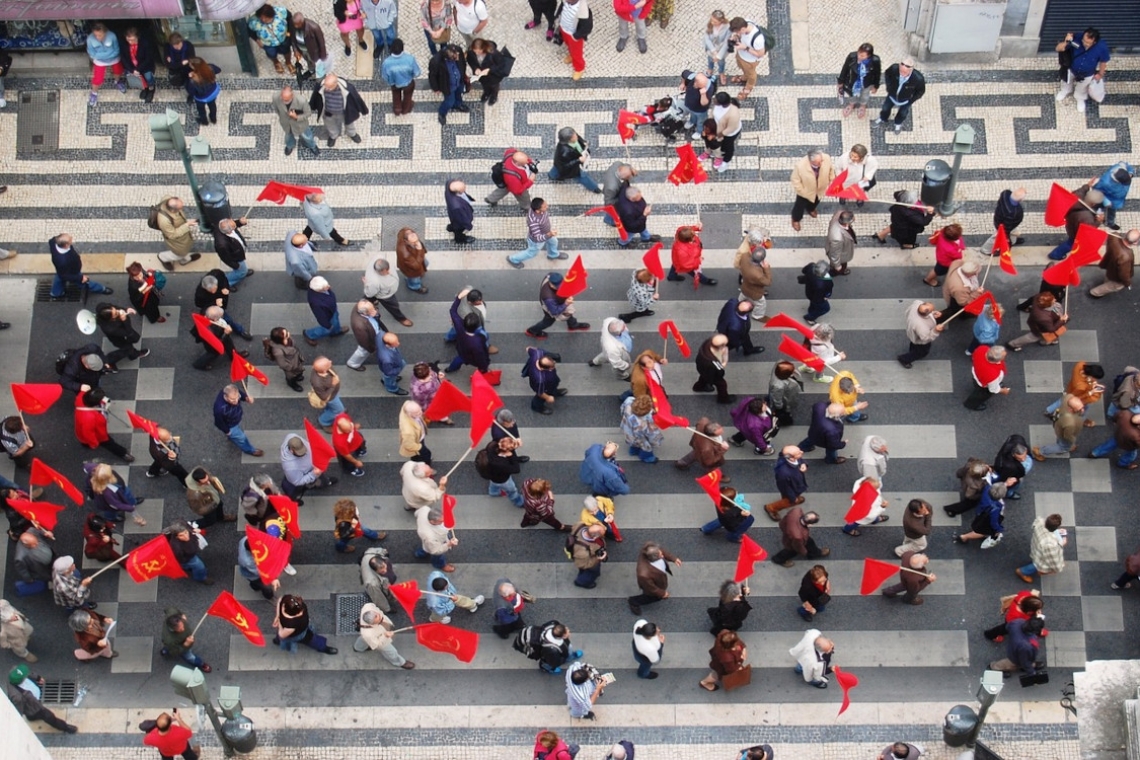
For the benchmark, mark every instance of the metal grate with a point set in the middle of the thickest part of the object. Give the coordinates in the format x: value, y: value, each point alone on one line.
x: 37, y: 123
x: 72, y: 293
x: 1117, y: 20
x: 348, y: 608
x: 59, y: 692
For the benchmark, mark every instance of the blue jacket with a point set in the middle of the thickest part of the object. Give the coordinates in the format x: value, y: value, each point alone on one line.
x: 986, y: 330
x: 390, y: 360
x: 541, y: 380
x: 227, y: 415
x: 1087, y: 60
x: 824, y: 431
x: 1114, y: 192
x: 790, y: 482
x: 733, y: 324
x: 68, y: 265
x: 603, y: 476
x: 1021, y: 647
x: 993, y: 510
x: 400, y: 70
x: 106, y: 52
x: 460, y: 212
x: 203, y: 92
x: 299, y: 262
x: 323, y: 306
x: 440, y: 605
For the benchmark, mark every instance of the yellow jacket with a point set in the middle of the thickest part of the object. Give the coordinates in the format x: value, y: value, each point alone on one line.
x: 589, y: 516
x: 836, y: 396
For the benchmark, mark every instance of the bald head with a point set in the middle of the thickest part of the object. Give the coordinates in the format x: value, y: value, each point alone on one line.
x: 299, y: 240
x: 287, y: 93
x: 835, y: 410
x: 1019, y: 194
x: 520, y: 158
x: 330, y: 82
x: 457, y: 186
x: 791, y: 451
x: 322, y: 365
x: 919, y: 561
x: 344, y: 425
x: 390, y: 339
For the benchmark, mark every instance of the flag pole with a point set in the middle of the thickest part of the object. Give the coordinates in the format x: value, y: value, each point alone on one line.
x: 1066, y: 300
x: 203, y: 620
x: 951, y: 319
x: 102, y: 570
x: 989, y: 264
x: 916, y: 572
x: 500, y: 427
x: 453, y: 469
x: 702, y: 435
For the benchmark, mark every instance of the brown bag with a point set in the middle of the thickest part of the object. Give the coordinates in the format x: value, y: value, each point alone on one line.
x: 738, y: 678
x: 316, y: 401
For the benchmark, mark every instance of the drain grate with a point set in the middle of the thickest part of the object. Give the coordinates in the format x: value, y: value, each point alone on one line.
x: 348, y: 608
x: 72, y: 293
x: 37, y: 123
x: 59, y: 692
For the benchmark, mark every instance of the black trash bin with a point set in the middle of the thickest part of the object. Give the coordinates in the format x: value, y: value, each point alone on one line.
x: 958, y: 724
x: 216, y: 202
x: 239, y: 732
x: 935, y: 182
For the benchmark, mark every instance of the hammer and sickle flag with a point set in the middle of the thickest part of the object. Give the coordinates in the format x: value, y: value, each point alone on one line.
x: 231, y: 610
x: 288, y: 511
x: 41, y: 513
x: 710, y: 482
x: 35, y: 398
x: 484, y: 403
x: 152, y: 559
x: 240, y: 369
x: 271, y: 554
x: 461, y: 643
x: 669, y: 326
x: 42, y: 475
x: 574, y: 281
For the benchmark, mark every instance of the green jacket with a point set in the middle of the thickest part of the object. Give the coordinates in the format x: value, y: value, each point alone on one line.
x: 174, y: 642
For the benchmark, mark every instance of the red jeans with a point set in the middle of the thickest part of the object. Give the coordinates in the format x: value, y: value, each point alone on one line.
x: 99, y: 72
x: 576, y: 49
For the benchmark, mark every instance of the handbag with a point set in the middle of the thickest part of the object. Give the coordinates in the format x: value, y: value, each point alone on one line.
x: 159, y: 279
x: 316, y: 401
x: 1037, y: 679
x: 737, y: 678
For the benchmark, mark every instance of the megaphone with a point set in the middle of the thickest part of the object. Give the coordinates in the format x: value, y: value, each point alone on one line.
x: 86, y: 321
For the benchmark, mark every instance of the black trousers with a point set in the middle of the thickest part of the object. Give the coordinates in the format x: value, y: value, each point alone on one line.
x: 392, y: 306
x: 173, y: 466
x: 977, y: 397
x: 961, y: 507
x: 336, y: 236
x: 53, y: 720
x: 424, y: 455
x: 784, y: 555
x: 212, y: 517
x: 802, y: 206
x: 643, y: 599
x: 114, y: 447
x: 915, y: 352
x: 124, y: 349
x: 710, y: 377
x: 505, y: 630
x: 542, y: 8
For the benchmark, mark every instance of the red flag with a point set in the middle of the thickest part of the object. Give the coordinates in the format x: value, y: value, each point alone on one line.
x: 847, y: 682
x: 669, y: 326
x: 449, y: 640
x: 1087, y: 245
x: 240, y: 369
x: 1062, y: 273
x: 289, y: 513
x: 152, y: 559
x: 447, y: 399
x: 202, y: 326
x: 663, y: 410
x: 796, y: 351
x: 750, y: 553
x: 783, y: 320
x: 271, y: 554
x: 978, y: 305
x: 1006, y: 263
x: 35, y: 398
x: 150, y: 427
x: 484, y: 402
x: 574, y: 281
x: 231, y: 610
x: 407, y: 594
x: 277, y: 192
x: 40, y: 512
x: 853, y: 193
x: 612, y: 213
x: 1002, y: 249
x: 42, y: 475
x: 493, y: 376
x: 836, y: 187
x: 1058, y: 205
x: 710, y: 482
x: 320, y: 448
x: 875, y: 572
x: 861, y: 502
x: 652, y: 261
x: 688, y: 168
x: 448, y: 511
x: 627, y: 123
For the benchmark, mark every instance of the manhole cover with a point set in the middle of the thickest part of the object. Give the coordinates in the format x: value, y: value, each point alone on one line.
x: 348, y: 608
x: 72, y: 293
x: 58, y: 692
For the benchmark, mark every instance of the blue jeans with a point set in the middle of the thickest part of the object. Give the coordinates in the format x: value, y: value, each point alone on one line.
x: 1030, y: 569
x: 438, y: 561
x: 451, y: 100
x: 382, y: 38
x: 817, y: 310
x: 318, y: 332
x: 239, y: 274
x: 532, y: 249
x: 192, y: 659
x: 57, y: 287
x: 5, y: 483
x: 431, y: 43
x: 697, y: 119
x: 196, y: 567
x: 719, y: 67
x: 307, y: 139
x: 624, y: 239
x: 237, y: 438
x: 334, y: 407
x: 1109, y: 446
x: 714, y: 525
x: 804, y: 613
x: 1061, y: 251
x: 391, y: 383
x: 238, y: 329
x: 1055, y: 449
x: 272, y: 51
x: 885, y: 111
x: 342, y: 544
x: 415, y: 283
x: 644, y: 666
x: 583, y: 179
x: 508, y: 489
x: 857, y: 417
x: 588, y: 577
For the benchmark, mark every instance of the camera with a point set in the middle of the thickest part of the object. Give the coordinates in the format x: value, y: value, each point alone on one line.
x: 732, y: 44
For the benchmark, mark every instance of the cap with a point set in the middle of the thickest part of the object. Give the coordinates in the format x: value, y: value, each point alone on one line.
x: 93, y: 362
x: 17, y: 675
x: 688, y: 74
x: 555, y: 278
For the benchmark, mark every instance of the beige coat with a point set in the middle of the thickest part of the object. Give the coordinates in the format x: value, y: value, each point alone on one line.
x: 433, y: 538
x: 418, y: 492
x: 806, y: 183
x: 412, y: 433
x: 376, y: 636
x: 755, y: 278
x: 840, y: 244
x: 919, y: 329
x: 15, y: 630
x: 175, y: 228
x: 954, y: 287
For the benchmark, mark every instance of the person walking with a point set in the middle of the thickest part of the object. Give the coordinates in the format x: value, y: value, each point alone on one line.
x: 922, y: 328
x: 381, y: 287
x: 727, y: 656
x: 1118, y: 262
x: 204, y: 496
x: 294, y: 627
x: 948, y: 249
x: 810, y: 178
x: 538, y: 505
x: 795, y: 530
x: 916, y: 527
x: 755, y: 270
x: 570, y: 157
x: 648, y: 647
x: 905, y: 86
x: 116, y: 326
x: 540, y: 233
x: 1130, y: 574
x: 652, y: 575
x: 1068, y: 421
x: 411, y: 259
x: 15, y: 631
x: 1046, y: 549
x: 712, y: 359
x: 791, y: 481
x: 908, y: 219
x: 813, y: 659
x: 178, y: 640
x: 376, y: 633
x: 733, y: 514
x: 323, y: 305
x: 177, y: 232
x: 1126, y: 437
x: 228, y: 415
x: 25, y: 692
x: 840, y: 243
x: 555, y: 308
x: 517, y: 176
x: 814, y: 593
x: 319, y: 218
x: 755, y: 424
x: 171, y: 736
x: 911, y: 584
x: 282, y: 351
x: 299, y: 260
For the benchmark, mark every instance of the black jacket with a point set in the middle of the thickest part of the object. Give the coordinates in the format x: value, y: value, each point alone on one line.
x: 145, y: 53
x: 1008, y: 213
x: 354, y: 105
x: 230, y: 251
x: 730, y: 324
x: 729, y: 616
x: 908, y: 222
x: 119, y: 331
x: 500, y: 469
x: 849, y: 74
x: 912, y: 91
x: 493, y: 62
x: 817, y: 289
x: 438, y: 79
x: 1004, y: 463
x: 460, y: 213
x: 204, y: 299
x: 75, y: 374
x: 566, y: 159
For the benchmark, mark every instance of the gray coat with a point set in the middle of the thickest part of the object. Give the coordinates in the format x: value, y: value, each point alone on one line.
x: 320, y: 218
x: 840, y: 245
x: 784, y: 394
x: 298, y: 105
x: 378, y: 587
x: 299, y: 262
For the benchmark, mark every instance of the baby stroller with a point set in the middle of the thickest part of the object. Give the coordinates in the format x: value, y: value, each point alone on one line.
x: 667, y: 117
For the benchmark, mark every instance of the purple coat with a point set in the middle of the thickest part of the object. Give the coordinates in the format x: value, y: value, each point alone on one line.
x: 753, y: 426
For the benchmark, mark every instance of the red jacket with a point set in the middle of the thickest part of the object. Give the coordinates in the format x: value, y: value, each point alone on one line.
x: 986, y: 372
x: 624, y: 9
x: 90, y: 424
x: 687, y: 256
x: 517, y: 178
x: 341, y: 441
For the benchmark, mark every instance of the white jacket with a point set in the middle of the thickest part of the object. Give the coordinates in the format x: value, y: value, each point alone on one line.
x: 616, y: 353
x: 379, y: 635
x: 872, y: 464
x: 650, y: 649
x: 807, y: 656
x: 418, y: 492
x: 433, y: 537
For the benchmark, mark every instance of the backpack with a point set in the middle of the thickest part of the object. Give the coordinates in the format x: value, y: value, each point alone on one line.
x: 483, y: 464
x: 1119, y: 381
x: 497, y: 175
x: 769, y: 38
x: 507, y: 65
x: 62, y: 359
x: 529, y: 641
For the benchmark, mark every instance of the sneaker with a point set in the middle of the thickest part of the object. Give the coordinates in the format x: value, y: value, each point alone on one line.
x: 121, y: 86
x: 579, y: 326
x: 445, y: 619
x: 824, y: 378
x: 357, y: 472
x: 898, y: 128
x: 704, y: 156
x: 877, y: 121
x: 143, y: 354
x: 3, y: 103
x: 289, y: 569
x: 1081, y: 106
x: 720, y: 165
x: 515, y: 264
x: 1061, y: 96
x: 93, y: 98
